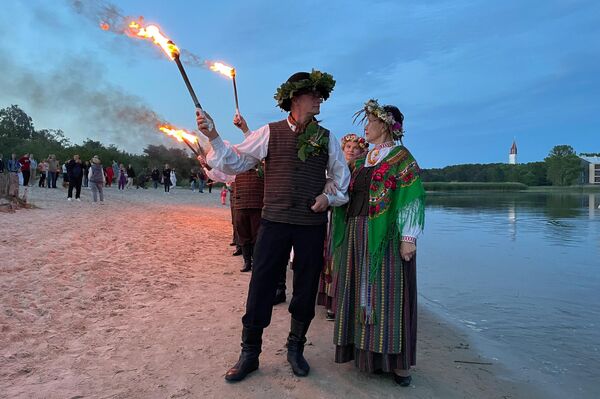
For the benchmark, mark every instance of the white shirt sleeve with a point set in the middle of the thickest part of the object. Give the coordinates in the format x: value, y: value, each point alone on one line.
x: 338, y: 171
x: 235, y: 159
x: 410, y: 231
x: 217, y: 175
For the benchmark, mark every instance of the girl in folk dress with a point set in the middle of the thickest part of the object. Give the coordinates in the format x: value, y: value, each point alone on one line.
x: 376, y: 317
x: 352, y: 146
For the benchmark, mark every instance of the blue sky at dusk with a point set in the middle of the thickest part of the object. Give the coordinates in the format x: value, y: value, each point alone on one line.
x: 469, y: 75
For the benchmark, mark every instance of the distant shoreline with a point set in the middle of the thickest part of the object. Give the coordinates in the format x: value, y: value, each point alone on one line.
x: 508, y: 186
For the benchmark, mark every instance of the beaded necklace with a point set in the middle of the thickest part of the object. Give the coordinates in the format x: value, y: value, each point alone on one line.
x: 373, y: 155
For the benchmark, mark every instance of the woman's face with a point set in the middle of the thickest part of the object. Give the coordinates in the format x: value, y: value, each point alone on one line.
x: 351, y: 150
x: 376, y: 131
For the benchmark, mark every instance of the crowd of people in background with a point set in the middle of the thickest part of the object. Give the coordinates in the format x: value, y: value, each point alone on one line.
x: 76, y: 174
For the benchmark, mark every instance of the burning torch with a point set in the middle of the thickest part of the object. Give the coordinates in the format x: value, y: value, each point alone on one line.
x: 230, y: 72
x: 153, y: 32
x: 183, y: 136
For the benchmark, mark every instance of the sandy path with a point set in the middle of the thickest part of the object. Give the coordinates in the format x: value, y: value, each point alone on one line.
x: 141, y: 298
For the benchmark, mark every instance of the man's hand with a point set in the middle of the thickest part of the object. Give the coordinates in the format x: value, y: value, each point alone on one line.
x: 205, y: 123
x: 407, y: 250
x: 240, y: 123
x: 321, y: 204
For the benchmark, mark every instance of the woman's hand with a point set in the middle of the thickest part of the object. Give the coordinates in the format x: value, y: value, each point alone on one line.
x: 330, y: 187
x: 240, y: 123
x: 407, y: 250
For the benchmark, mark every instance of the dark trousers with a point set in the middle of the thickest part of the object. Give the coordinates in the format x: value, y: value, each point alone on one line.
x: 271, y: 252
x: 75, y: 183
x: 42, y: 181
x: 26, y: 175
x: 246, y: 223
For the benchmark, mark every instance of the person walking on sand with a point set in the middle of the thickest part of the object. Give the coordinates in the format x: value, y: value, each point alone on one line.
x: 96, y: 179
x: 33, y: 166
x: 86, y: 169
x: 115, y: 168
x: 130, y: 176
x: 43, y: 168
x: 122, y: 177
x: 52, y: 171
x: 173, y: 178
x: 109, y: 176
x: 298, y: 156
x: 166, y: 173
x: 75, y: 176
x: 376, y: 316
x: 25, y: 169
x: 155, y: 177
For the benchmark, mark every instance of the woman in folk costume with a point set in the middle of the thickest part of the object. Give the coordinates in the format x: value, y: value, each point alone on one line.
x: 376, y: 317
x: 353, y: 147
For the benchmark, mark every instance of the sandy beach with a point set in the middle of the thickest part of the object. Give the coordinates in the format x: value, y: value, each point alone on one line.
x: 141, y: 298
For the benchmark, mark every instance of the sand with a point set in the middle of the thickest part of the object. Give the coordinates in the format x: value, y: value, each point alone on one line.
x: 141, y: 298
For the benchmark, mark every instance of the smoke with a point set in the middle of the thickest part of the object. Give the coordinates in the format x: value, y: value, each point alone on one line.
x: 109, y: 17
x: 76, y: 89
x: 70, y: 91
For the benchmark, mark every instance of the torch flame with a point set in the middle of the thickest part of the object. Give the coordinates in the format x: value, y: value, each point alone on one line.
x: 179, y: 134
x: 104, y: 26
x: 153, y: 32
x: 222, y: 68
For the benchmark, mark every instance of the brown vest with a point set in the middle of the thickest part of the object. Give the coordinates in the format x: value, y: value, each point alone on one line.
x: 291, y: 184
x: 248, y: 190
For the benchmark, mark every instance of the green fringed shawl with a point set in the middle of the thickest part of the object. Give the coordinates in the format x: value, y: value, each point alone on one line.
x: 395, y: 187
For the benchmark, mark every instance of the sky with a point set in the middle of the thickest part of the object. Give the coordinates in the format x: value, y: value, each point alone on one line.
x: 469, y: 76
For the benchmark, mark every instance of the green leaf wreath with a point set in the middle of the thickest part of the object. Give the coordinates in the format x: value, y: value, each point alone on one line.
x: 313, y: 141
x: 320, y: 82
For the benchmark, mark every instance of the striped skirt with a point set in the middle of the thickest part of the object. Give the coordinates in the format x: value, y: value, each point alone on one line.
x: 328, y: 282
x: 376, y: 322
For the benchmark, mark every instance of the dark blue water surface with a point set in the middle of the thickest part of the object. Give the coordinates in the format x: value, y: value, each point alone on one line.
x: 521, y: 271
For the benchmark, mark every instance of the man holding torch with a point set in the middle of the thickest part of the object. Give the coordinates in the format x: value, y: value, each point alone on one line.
x: 298, y: 155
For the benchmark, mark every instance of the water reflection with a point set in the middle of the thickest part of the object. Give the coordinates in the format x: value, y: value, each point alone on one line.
x: 520, y: 270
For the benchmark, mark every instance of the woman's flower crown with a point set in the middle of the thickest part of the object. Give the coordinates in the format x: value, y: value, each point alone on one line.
x: 372, y: 107
x: 353, y: 137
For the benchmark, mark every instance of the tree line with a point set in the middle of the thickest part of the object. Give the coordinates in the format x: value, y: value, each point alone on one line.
x: 562, y: 166
x: 18, y: 135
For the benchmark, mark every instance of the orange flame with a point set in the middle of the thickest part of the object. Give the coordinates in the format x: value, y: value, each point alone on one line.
x: 104, y: 26
x: 222, y: 68
x: 153, y: 32
x: 179, y: 134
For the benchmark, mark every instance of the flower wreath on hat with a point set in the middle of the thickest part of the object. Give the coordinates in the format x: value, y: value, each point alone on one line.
x: 319, y: 82
x: 353, y: 137
x: 372, y: 107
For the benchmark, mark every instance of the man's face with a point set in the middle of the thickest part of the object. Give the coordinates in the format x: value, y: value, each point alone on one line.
x: 76, y: 157
x: 309, y: 103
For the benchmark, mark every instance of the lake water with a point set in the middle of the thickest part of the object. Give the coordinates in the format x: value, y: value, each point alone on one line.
x: 521, y: 272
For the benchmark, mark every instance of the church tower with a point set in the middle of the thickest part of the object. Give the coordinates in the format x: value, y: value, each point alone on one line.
x: 512, y: 156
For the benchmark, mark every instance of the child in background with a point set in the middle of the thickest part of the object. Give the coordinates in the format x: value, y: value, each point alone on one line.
x: 223, y: 195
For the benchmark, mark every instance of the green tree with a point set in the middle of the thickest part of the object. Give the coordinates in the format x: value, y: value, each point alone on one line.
x: 564, y: 166
x: 15, y: 123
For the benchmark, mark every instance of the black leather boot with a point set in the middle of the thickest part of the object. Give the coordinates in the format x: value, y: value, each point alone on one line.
x: 295, y: 344
x: 248, y: 361
x: 247, y: 254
